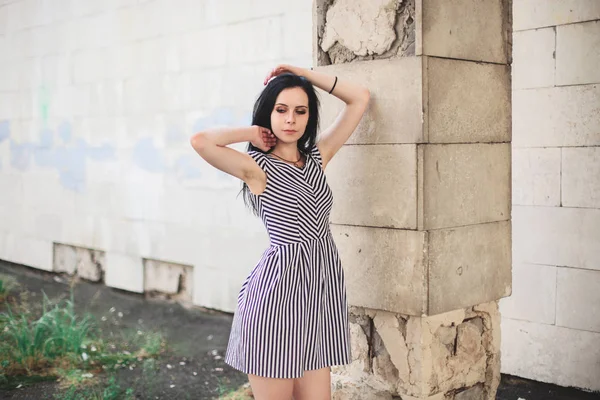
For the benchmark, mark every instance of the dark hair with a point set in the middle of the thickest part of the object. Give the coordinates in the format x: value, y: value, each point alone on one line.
x: 261, y: 116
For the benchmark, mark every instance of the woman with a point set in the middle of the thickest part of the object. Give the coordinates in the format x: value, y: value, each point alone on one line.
x: 290, y: 325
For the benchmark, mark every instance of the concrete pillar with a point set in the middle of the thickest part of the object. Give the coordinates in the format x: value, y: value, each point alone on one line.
x: 422, y: 190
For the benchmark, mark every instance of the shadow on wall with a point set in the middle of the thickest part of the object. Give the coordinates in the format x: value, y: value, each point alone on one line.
x: 60, y: 150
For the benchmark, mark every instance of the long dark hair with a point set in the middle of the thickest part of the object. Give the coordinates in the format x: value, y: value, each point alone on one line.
x: 261, y: 116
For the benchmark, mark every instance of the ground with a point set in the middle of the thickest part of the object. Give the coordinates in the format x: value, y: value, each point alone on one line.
x: 192, y: 367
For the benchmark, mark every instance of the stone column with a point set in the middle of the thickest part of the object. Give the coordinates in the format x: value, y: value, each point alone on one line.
x: 422, y: 192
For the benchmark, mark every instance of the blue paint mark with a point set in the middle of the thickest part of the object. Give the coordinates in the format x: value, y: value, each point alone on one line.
x: 64, y: 131
x: 4, y: 130
x: 68, y: 160
x: 46, y: 138
x: 148, y: 157
x: 186, y: 167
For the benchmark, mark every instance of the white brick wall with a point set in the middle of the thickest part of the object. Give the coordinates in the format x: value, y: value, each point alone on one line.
x: 101, y: 97
x: 551, y: 323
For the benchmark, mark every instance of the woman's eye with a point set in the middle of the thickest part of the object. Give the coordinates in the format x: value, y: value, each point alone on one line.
x: 301, y: 112
x: 281, y: 110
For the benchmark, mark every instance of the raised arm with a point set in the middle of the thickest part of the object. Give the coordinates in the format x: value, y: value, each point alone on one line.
x: 212, y: 144
x: 355, y: 96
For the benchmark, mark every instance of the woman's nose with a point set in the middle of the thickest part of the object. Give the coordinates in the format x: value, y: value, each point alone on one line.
x: 290, y: 117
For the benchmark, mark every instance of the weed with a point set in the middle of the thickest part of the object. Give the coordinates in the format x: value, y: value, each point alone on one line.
x: 7, y: 285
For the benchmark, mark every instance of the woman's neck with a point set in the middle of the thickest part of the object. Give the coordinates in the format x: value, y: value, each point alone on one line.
x: 288, y: 151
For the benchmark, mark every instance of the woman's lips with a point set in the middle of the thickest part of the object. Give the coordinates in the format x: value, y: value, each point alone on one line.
x: 289, y: 131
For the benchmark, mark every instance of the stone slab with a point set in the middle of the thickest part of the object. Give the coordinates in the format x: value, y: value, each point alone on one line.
x: 581, y: 177
x: 533, y: 295
x: 532, y: 14
x: 463, y: 184
x: 578, y: 53
x: 374, y: 186
x: 577, y: 299
x: 557, y: 236
x: 384, y: 268
x: 394, y: 114
x: 124, y: 272
x: 573, y: 360
x: 466, y: 101
x: 557, y: 117
x: 464, y: 29
x: 536, y: 176
x: 534, y: 58
x: 468, y: 266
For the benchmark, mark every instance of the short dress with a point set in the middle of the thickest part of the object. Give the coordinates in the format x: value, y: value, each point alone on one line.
x: 292, y: 312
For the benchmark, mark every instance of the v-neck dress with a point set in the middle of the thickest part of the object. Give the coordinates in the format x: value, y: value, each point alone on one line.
x: 292, y: 313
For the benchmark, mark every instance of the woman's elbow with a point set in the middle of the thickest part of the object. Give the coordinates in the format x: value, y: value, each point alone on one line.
x: 198, y: 141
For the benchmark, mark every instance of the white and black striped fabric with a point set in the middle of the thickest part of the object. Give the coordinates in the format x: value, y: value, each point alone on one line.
x: 292, y: 313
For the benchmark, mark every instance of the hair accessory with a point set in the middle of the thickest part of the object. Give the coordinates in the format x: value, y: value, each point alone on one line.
x: 333, y: 87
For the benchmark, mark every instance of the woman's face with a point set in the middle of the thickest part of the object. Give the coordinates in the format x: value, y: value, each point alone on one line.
x: 290, y: 115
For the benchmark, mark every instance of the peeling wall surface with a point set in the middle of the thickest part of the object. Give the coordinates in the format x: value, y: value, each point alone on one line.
x: 551, y: 323
x: 98, y: 101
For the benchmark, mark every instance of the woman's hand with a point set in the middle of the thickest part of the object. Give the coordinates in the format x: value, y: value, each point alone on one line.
x: 262, y: 138
x: 280, y: 69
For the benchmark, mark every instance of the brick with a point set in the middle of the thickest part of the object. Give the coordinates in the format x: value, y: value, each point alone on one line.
x: 573, y: 360
x: 536, y: 176
x: 577, y: 299
x: 578, y: 53
x: 463, y: 184
x: 466, y: 101
x: 531, y: 14
x: 455, y: 30
x: 581, y: 177
x: 533, y: 58
x: 369, y: 194
x: 385, y: 79
x: 389, y: 262
x: 468, y: 266
x: 557, y: 236
x: 124, y: 272
x: 533, y: 295
x: 557, y: 117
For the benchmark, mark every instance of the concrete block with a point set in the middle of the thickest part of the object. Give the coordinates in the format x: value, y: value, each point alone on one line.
x: 557, y: 236
x: 534, y: 58
x: 169, y: 279
x: 468, y: 266
x: 124, y: 272
x: 557, y: 117
x: 297, y: 34
x: 573, y: 360
x: 30, y: 251
x: 581, y: 177
x: 200, y: 50
x: 386, y: 79
x: 65, y: 258
x: 91, y: 264
x: 578, y: 53
x: 536, y: 176
x: 533, y: 295
x: 255, y: 41
x: 464, y: 29
x: 463, y: 184
x: 466, y: 101
x: 376, y: 185
x: 206, y: 294
x: 532, y: 14
x: 577, y: 299
x: 390, y: 262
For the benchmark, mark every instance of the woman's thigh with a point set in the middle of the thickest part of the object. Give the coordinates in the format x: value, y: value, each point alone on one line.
x: 314, y: 385
x: 271, y: 388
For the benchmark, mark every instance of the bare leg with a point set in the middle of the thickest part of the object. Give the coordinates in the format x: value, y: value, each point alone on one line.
x: 271, y: 388
x: 314, y: 385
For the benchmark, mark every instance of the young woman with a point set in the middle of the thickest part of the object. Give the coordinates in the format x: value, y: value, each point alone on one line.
x: 291, y: 324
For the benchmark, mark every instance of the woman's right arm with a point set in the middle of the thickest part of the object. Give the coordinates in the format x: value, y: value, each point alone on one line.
x: 212, y: 144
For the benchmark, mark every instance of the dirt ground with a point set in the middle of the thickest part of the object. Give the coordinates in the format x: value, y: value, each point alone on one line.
x: 192, y: 367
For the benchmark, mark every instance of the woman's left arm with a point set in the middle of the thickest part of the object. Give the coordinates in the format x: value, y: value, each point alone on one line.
x: 355, y: 96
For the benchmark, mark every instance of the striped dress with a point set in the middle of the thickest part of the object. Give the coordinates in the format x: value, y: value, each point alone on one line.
x: 291, y: 313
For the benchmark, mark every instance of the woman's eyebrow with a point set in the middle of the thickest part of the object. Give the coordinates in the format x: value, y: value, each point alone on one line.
x: 281, y: 104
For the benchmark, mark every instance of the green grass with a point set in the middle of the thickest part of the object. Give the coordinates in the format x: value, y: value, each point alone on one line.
x: 61, y: 345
